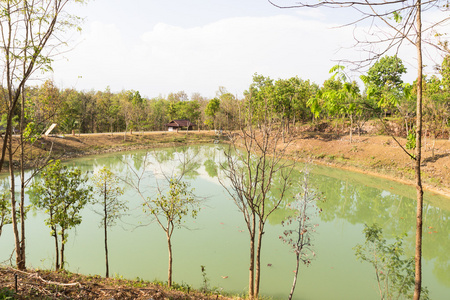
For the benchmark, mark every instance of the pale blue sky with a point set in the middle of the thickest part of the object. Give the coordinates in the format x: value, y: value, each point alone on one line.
x: 158, y: 47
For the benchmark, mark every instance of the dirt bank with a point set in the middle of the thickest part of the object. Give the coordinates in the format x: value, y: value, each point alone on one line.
x: 373, y: 154
x: 38, y: 284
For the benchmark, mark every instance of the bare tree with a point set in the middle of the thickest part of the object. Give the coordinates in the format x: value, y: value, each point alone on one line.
x: 300, y: 238
x: 256, y: 177
x: 403, y: 23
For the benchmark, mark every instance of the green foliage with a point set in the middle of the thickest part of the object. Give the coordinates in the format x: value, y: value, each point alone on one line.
x: 411, y: 140
x: 397, y: 17
x: 211, y: 110
x: 394, y: 273
x: 5, y: 208
x: 205, y: 287
x: 7, y: 294
x: 212, y: 107
x: 383, y: 81
x: 107, y: 188
x: 68, y: 124
x: 387, y: 72
x: 211, y: 167
x: 445, y: 73
x: 30, y: 133
x: 3, y: 120
x: 61, y: 193
x: 178, y: 202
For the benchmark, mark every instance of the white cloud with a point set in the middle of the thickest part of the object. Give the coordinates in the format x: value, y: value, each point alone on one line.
x: 200, y: 59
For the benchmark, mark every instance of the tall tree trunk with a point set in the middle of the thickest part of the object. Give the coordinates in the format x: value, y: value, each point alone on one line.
x: 55, y: 235
x: 63, y: 242
x: 419, y: 188
x: 106, y: 251
x: 105, y: 226
x: 258, y: 260
x: 294, y: 283
x: 351, y: 128
x: 251, y: 279
x: 13, y: 205
x: 169, y: 246
x: 22, y: 265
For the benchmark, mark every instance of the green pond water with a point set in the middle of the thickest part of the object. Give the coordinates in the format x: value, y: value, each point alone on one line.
x: 218, y: 239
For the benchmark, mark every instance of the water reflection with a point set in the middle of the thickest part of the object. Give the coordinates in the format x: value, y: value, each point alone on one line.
x: 220, y: 243
x: 353, y: 200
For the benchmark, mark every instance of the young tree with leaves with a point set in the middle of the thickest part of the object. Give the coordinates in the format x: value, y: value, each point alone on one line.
x: 393, y: 272
x: 174, y: 199
x: 106, y: 186
x: 211, y: 110
x: 62, y: 193
x: 344, y: 99
x: 169, y: 208
x: 5, y: 208
x: 30, y: 34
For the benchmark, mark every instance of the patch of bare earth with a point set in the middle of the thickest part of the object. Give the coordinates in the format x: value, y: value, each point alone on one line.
x: 377, y: 155
x: 37, y: 284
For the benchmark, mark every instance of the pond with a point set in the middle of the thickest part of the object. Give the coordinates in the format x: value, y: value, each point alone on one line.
x: 218, y: 238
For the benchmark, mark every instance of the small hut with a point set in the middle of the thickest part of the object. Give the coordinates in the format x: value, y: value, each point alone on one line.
x: 179, y: 124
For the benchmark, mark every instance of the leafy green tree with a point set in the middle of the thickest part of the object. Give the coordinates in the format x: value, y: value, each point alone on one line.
x: 211, y: 111
x: 284, y: 93
x: 107, y: 187
x: 174, y: 199
x: 138, y: 104
x: 260, y: 100
x: 188, y: 110
x: 169, y: 208
x: 31, y: 32
x: 385, y: 75
x: 445, y: 73
x: 385, y: 88
x: 157, y: 113
x: 107, y: 111
x: 228, y: 114
x: 436, y: 107
x: 61, y: 193
x: 394, y: 273
x: 5, y: 208
x: 341, y: 97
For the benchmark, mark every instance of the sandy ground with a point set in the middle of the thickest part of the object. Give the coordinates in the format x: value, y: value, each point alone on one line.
x: 378, y: 155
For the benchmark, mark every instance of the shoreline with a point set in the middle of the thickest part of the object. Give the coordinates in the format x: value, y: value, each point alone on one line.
x: 371, y: 155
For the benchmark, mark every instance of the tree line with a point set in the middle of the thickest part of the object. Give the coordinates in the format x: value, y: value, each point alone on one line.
x: 293, y: 101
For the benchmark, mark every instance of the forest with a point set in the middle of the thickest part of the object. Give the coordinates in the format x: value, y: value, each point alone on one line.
x: 339, y: 100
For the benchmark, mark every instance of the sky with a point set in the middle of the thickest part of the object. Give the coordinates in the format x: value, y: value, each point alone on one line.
x: 159, y: 47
